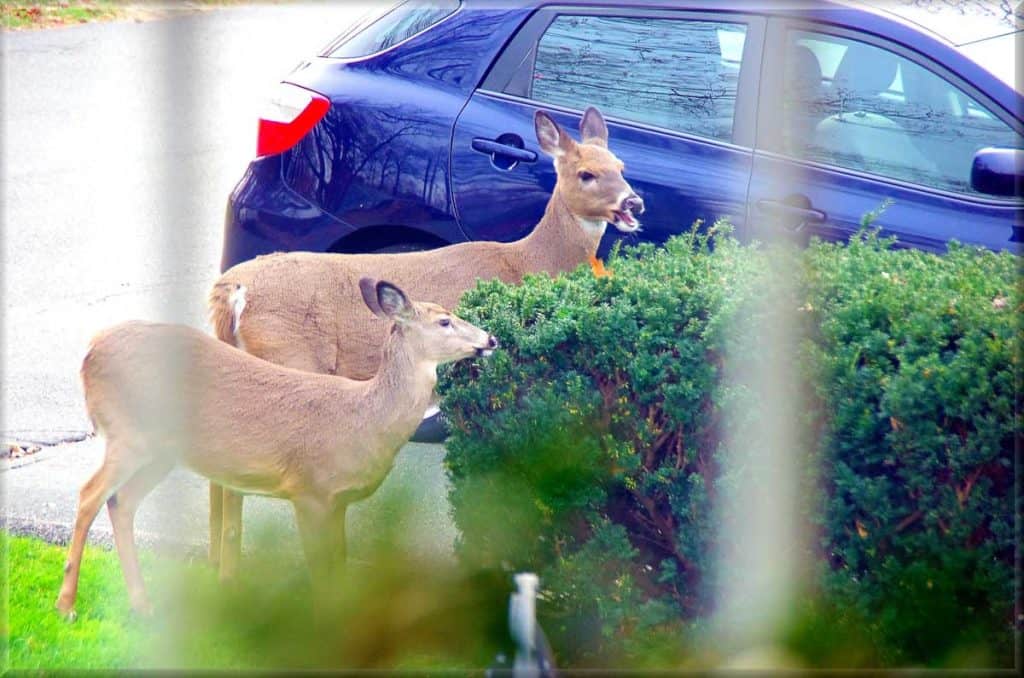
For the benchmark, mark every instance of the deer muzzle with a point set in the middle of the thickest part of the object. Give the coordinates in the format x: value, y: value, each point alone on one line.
x: 492, y: 343
x: 625, y: 220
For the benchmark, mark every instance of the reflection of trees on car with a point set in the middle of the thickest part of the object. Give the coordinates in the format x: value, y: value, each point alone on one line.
x: 676, y: 74
x: 1004, y: 9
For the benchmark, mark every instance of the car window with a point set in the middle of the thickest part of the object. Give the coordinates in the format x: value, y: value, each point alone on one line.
x: 861, y: 107
x: 387, y: 27
x: 673, y: 73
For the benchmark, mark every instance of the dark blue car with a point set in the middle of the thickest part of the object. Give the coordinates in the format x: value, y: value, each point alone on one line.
x: 415, y: 128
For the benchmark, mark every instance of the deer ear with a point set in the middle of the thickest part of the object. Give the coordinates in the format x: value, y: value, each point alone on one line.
x: 552, y: 139
x: 593, y: 128
x: 368, y: 288
x: 393, y: 302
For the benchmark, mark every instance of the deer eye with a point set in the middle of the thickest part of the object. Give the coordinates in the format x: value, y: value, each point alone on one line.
x: 586, y: 176
x: 444, y: 322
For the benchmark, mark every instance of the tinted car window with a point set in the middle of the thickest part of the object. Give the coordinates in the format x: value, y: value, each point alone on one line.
x: 391, y: 27
x: 677, y: 74
x: 862, y: 107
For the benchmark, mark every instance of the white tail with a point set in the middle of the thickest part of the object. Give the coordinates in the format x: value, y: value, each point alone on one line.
x: 303, y: 309
x: 164, y: 394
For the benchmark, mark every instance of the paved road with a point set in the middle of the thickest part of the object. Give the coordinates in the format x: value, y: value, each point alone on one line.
x: 41, y: 493
x: 121, y: 143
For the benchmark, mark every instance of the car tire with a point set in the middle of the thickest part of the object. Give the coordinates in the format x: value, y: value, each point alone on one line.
x: 397, y: 248
x: 431, y: 430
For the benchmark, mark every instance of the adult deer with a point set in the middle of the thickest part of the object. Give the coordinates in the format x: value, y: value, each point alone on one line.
x: 303, y: 310
x: 163, y: 394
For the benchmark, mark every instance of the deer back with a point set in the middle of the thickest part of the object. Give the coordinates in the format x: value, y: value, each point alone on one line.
x: 174, y: 392
x: 304, y: 309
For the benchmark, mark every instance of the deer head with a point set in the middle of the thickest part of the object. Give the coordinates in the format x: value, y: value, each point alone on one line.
x: 434, y: 333
x: 589, y: 175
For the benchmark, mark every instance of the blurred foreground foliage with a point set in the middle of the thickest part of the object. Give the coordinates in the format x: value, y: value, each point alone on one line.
x: 595, y: 449
x: 395, y: 613
x: 395, y: 610
x: 591, y: 448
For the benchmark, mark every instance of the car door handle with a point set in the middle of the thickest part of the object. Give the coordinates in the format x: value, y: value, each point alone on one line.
x: 798, y: 216
x: 491, y: 147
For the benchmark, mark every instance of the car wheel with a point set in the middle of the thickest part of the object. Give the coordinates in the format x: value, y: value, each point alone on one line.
x: 431, y: 430
x: 400, y: 247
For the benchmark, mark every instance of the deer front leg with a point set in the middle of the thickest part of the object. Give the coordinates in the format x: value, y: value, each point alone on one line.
x: 338, y: 545
x: 311, y: 517
x: 231, y: 534
x: 216, y: 521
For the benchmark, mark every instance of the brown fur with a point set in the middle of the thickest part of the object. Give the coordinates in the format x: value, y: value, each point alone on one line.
x: 304, y: 309
x: 164, y: 394
x: 223, y: 322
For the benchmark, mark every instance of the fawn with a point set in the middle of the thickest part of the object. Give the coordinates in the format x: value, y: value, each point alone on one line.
x: 163, y: 394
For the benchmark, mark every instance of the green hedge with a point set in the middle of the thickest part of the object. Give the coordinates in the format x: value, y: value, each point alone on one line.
x: 591, y: 448
x: 918, y: 372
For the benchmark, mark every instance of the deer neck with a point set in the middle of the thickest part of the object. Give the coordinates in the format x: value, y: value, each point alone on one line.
x: 561, y: 241
x: 404, y: 383
x: 381, y: 414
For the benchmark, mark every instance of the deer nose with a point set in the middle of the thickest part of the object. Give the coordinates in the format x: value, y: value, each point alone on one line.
x: 633, y: 203
x: 492, y: 342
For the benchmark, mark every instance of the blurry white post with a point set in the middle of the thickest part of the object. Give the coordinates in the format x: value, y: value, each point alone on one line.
x: 522, y: 625
x: 759, y: 564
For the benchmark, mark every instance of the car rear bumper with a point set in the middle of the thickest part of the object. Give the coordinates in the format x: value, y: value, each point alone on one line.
x: 264, y: 215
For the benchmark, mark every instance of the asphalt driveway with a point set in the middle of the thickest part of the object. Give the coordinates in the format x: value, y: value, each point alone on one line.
x: 121, y: 142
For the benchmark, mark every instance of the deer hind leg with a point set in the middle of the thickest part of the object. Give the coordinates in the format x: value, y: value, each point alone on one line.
x: 231, y: 534
x: 122, y: 507
x: 103, y: 483
x: 216, y: 522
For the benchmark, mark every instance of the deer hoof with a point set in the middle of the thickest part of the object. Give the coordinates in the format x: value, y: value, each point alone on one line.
x: 67, y: 612
x: 142, y: 609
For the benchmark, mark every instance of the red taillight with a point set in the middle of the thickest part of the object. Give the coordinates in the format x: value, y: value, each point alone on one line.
x: 291, y: 112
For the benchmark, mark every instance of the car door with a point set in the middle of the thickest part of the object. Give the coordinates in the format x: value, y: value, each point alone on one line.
x: 853, y: 124
x: 677, y: 89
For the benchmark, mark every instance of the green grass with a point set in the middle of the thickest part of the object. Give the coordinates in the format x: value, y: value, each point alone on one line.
x: 396, y: 614
x: 106, y: 634
x: 103, y: 637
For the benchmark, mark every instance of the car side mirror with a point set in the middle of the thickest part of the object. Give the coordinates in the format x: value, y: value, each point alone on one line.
x: 998, y: 171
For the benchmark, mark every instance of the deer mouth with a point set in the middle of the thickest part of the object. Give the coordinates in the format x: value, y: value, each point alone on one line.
x: 486, y: 351
x: 624, y: 221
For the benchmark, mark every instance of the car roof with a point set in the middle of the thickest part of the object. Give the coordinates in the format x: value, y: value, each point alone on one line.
x: 991, y: 54
x: 965, y: 23
x: 986, y: 34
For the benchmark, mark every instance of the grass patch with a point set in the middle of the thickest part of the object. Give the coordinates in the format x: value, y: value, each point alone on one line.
x: 103, y: 637
x: 391, y: 612
x: 21, y: 14
x: 30, y: 14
